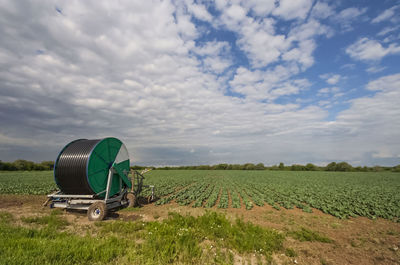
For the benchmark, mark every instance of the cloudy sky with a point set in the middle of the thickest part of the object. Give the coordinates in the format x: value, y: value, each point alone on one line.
x: 203, y: 82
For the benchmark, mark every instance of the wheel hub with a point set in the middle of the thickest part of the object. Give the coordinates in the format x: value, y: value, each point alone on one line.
x: 96, y: 212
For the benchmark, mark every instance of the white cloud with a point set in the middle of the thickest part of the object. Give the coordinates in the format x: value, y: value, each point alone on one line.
x: 236, y: 12
x: 301, y: 54
x: 387, y: 30
x: 267, y: 85
x: 304, y: 35
x: 375, y: 69
x: 217, y: 64
x: 347, y: 16
x: 212, y: 48
x: 350, y: 66
x: 9, y: 140
x: 289, y: 10
x: 393, y: 38
x: 366, y: 49
x: 289, y: 88
x: 325, y: 103
x: 215, y: 55
x: 199, y: 11
x: 384, y: 153
x: 386, y: 83
x: 351, y: 13
x: 331, y: 79
x: 324, y: 90
x: 134, y: 76
x: 327, y: 90
x: 263, y: 46
x: 136, y: 71
x: 373, y: 121
x: 309, y: 30
x: 322, y: 10
x: 385, y: 15
x: 260, y: 7
x: 257, y: 38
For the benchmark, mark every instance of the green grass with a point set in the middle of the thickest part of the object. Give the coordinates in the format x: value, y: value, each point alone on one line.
x: 305, y: 234
x: 290, y: 252
x: 179, y: 238
x: 206, y: 239
x: 47, y: 245
x: 5, y: 217
x: 53, y: 220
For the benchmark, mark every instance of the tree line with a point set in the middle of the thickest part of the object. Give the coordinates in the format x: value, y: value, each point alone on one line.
x: 333, y: 166
x: 21, y: 164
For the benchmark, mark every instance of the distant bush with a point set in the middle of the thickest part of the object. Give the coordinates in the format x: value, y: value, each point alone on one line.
x: 333, y: 166
x: 26, y: 165
x: 396, y: 168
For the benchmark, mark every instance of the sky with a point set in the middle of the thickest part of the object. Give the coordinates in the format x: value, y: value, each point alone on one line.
x: 203, y: 82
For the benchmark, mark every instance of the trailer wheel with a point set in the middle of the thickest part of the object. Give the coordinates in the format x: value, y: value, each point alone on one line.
x: 131, y: 199
x: 97, y: 211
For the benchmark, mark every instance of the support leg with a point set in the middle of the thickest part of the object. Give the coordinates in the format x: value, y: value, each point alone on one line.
x: 110, y: 175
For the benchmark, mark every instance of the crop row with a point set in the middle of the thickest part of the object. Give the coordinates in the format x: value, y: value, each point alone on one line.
x: 27, y: 182
x: 340, y: 194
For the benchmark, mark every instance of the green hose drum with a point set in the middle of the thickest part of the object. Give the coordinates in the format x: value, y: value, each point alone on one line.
x: 83, y: 165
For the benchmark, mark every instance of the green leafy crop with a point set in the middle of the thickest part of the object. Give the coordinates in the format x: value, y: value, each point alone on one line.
x: 341, y: 194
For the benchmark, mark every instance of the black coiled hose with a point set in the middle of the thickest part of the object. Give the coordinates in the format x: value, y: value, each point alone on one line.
x: 71, y: 167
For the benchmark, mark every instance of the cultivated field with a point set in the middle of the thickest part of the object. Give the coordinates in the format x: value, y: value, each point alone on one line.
x: 212, y: 217
x: 339, y: 194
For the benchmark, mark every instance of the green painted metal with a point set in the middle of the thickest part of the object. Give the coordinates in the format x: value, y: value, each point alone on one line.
x: 101, y: 159
x: 120, y: 170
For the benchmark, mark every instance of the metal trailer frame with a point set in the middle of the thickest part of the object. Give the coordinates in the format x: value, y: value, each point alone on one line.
x: 97, y: 208
x: 138, y: 180
x: 84, y: 202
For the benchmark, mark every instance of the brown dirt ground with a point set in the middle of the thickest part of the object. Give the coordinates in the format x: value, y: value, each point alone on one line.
x: 356, y: 240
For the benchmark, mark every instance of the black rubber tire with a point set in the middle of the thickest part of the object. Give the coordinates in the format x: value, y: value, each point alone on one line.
x: 97, y: 211
x: 132, y: 201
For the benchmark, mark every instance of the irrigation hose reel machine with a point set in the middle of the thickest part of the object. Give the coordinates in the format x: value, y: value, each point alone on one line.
x: 93, y: 175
